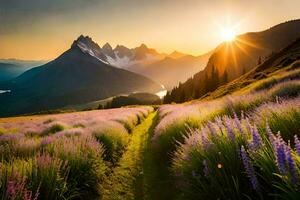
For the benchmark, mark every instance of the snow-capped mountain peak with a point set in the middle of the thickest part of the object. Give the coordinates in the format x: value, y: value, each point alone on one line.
x: 120, y: 56
x: 87, y: 45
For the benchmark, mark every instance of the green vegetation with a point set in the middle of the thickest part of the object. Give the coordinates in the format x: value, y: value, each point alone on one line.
x: 121, y: 183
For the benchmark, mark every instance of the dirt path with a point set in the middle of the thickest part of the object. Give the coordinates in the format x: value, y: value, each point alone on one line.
x: 140, y: 175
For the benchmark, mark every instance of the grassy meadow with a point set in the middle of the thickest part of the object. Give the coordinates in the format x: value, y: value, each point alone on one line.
x: 244, y: 145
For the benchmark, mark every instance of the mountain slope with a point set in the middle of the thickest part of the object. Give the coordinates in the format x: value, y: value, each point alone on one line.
x: 176, y: 54
x: 9, y: 71
x: 171, y: 71
x: 11, y: 68
x: 77, y: 76
x: 281, y: 66
x: 232, y: 59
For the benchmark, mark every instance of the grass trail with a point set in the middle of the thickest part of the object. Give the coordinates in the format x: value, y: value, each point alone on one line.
x: 121, y: 183
x: 140, y: 173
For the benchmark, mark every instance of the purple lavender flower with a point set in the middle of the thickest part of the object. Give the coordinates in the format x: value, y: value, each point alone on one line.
x: 256, y: 139
x: 270, y: 135
x: 249, y: 169
x: 291, y: 164
x: 219, y: 123
x: 268, y: 129
x: 206, y: 144
x: 297, y: 145
x: 229, y: 129
x: 280, y: 154
x: 238, y: 123
x: 212, y: 129
x: 248, y: 125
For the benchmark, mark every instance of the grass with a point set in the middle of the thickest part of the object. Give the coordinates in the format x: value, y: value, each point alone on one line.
x: 47, y: 158
x: 114, y: 141
x: 230, y: 159
x: 121, y: 183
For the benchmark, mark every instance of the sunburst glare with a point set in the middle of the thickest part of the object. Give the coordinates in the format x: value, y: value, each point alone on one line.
x: 228, y: 34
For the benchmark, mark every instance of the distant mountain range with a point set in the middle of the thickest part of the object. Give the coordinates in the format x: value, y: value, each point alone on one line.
x: 120, y: 56
x: 81, y: 74
x: 167, y: 70
x: 232, y: 59
x: 142, y: 60
x: 11, y: 68
x: 173, y: 69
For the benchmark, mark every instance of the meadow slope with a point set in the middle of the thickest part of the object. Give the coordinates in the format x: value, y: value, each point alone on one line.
x: 239, y: 146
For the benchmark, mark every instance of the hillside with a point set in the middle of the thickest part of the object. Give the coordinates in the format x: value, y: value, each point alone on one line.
x: 9, y: 71
x: 77, y: 76
x: 278, y: 68
x: 11, y: 68
x: 232, y: 59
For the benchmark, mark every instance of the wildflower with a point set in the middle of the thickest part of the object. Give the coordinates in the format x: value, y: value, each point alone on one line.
x: 238, y: 123
x: 249, y: 169
x: 280, y: 155
x: 291, y: 164
x: 206, y: 144
x: 212, y: 128
x: 256, y: 139
x: 219, y: 166
x: 219, y: 123
x: 297, y: 145
x: 270, y: 135
x: 47, y: 140
x: 229, y: 129
x: 248, y: 125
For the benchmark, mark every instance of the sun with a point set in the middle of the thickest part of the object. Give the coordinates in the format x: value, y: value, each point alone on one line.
x: 228, y: 34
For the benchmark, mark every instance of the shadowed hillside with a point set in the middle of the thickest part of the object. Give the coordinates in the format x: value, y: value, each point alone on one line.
x: 232, y: 59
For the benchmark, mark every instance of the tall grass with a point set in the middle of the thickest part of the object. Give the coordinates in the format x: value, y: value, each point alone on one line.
x: 62, y: 156
x: 175, y: 118
x: 283, y: 117
x: 230, y: 159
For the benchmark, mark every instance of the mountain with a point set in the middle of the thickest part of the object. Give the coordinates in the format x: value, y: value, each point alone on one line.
x: 167, y: 70
x: 79, y: 75
x: 281, y: 66
x: 9, y: 71
x: 176, y: 54
x: 11, y: 68
x: 247, y: 50
x: 120, y: 56
x: 170, y: 71
x: 24, y: 63
x: 232, y: 59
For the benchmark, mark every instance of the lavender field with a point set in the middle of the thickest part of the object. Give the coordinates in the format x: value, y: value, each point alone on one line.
x: 64, y: 156
x: 241, y: 146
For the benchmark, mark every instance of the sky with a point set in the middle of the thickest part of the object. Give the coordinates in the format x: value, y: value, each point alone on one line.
x: 43, y: 29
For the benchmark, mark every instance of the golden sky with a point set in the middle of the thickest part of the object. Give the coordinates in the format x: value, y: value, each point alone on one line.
x: 43, y: 29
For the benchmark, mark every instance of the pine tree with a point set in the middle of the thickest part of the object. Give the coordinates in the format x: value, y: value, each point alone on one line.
x: 259, y: 60
x: 225, y: 77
